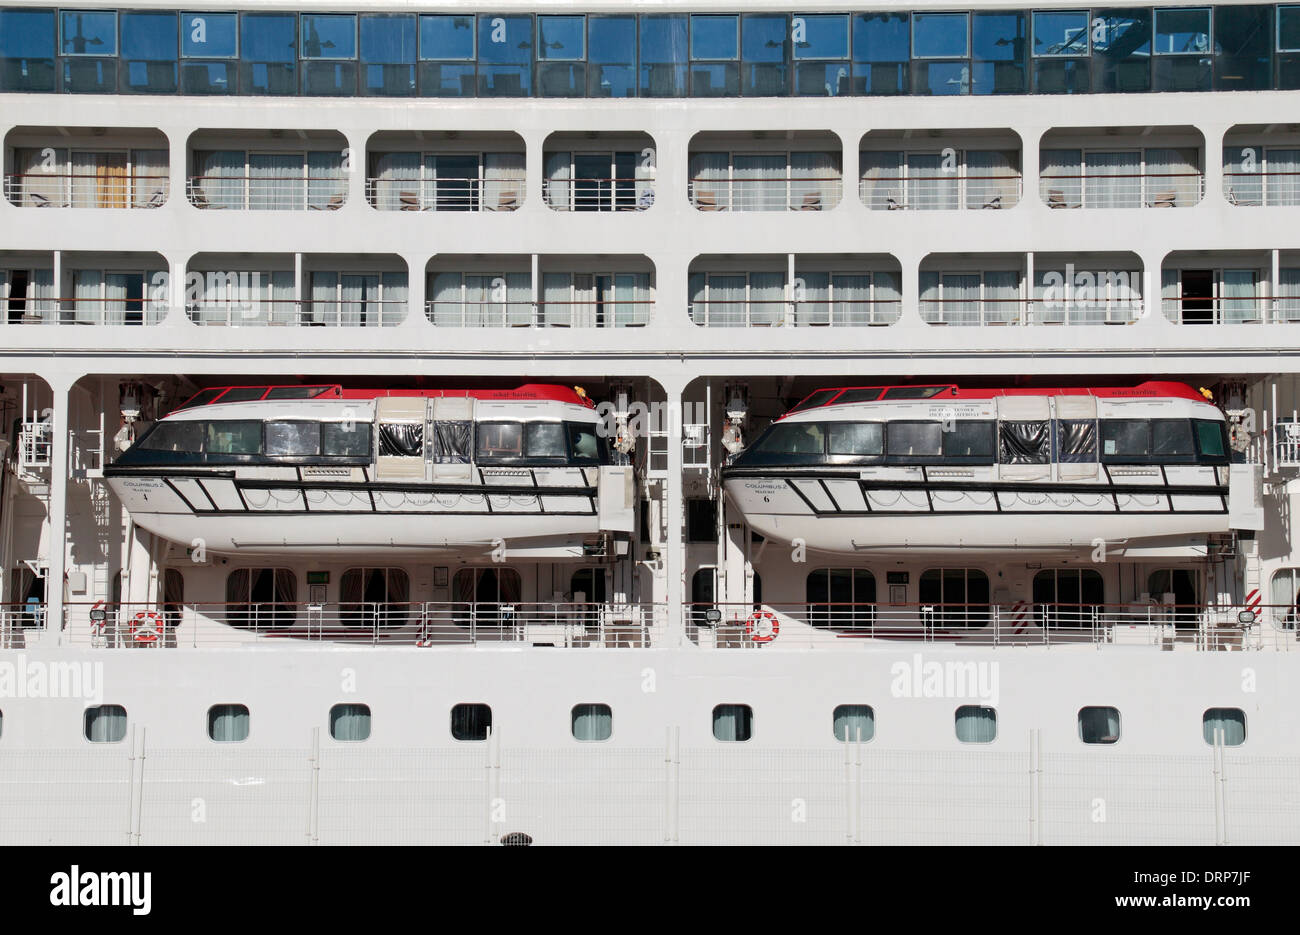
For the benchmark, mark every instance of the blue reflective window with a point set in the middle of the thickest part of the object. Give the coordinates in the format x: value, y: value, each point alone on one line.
x: 27, y: 33
x: 388, y: 39
x: 1288, y: 29
x: 663, y: 55
x: 150, y: 37
x: 611, y: 56
x: 86, y: 33
x: 824, y: 35
x: 998, y: 42
x: 269, y: 37
x: 714, y: 37
x: 763, y: 37
x: 1182, y: 32
x: 1060, y: 33
x: 560, y: 38
x: 1121, y: 50
x: 881, y: 37
x: 447, y: 38
x: 210, y: 35
x: 940, y: 35
x: 329, y: 35
x: 505, y: 39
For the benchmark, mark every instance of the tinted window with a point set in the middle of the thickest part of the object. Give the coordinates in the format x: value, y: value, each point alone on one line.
x: 174, y: 436
x: 27, y: 33
x: 972, y: 440
x: 471, y: 721
x: 500, y: 440
x: 1288, y: 29
x: 345, y: 439
x: 804, y: 438
x: 561, y: 37
x: 858, y: 396
x: 1182, y: 31
x: 243, y: 394
x: 821, y: 397
x: 86, y: 33
x: 209, y: 35
x: 546, y: 440
x: 1172, y: 438
x: 913, y: 392
x: 881, y: 37
x: 268, y: 37
x: 584, y: 446
x: 504, y: 39
x: 329, y: 35
x: 1064, y: 33
x: 447, y: 37
x: 824, y: 35
x: 1209, y: 439
x: 243, y: 437
x: 1099, y: 725
x: 856, y: 438
x: 915, y: 439
x: 714, y: 37
x: 149, y: 36
x: 1125, y: 438
x: 939, y: 35
x: 733, y: 722
x: 293, y: 439
x: 387, y: 40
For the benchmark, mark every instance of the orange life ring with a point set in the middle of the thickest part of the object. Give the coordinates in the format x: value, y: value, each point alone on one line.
x: 146, y: 627
x: 762, y: 626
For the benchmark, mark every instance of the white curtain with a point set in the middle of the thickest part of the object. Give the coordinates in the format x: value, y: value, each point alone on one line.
x: 149, y: 182
x: 447, y: 291
x: 853, y: 723
x: 631, y: 299
x: 812, y: 295
x: 1050, y: 294
x: 960, y: 293
x: 766, y: 298
x: 558, y: 299
x: 1002, y: 296
x: 39, y: 297
x: 1283, y: 185
x: 592, y: 722
x: 881, y: 185
x: 1113, y: 180
x: 44, y: 177
x: 222, y: 178
x: 815, y: 181
x: 991, y: 179
x: 395, y: 292
x: 976, y: 724
x: 1288, y: 294
x: 350, y: 722
x: 228, y: 723
x: 325, y: 189
x: 495, y: 300
x: 559, y: 189
x: 724, y: 300
x: 324, y: 308
x: 276, y: 182
x: 1172, y: 171
x: 732, y: 722
x: 397, y: 175
x: 1243, y: 180
x: 1058, y: 174
x: 358, y: 299
x: 503, y: 181
x: 886, y: 295
x: 931, y: 307
x: 105, y: 723
x: 1238, y: 300
x: 1170, y: 286
x: 644, y: 173
x: 709, y: 181
x: 99, y: 180
x: 87, y: 286
x: 933, y: 183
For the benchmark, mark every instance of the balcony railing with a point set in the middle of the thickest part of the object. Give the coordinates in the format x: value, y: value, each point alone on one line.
x: 1017, y: 311
x: 1270, y: 189
x: 86, y: 190
x: 1249, y: 310
x: 783, y: 194
x: 620, y: 313
x: 595, y: 194
x: 927, y: 193
x: 362, y: 313
x: 1138, y: 190
x: 87, y: 312
x: 727, y: 313
x: 250, y: 193
x: 444, y: 194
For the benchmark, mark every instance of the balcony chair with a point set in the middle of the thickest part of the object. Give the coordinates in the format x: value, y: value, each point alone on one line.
x: 1164, y: 200
x: 156, y: 199
x: 43, y: 201
x: 1056, y: 199
x: 812, y: 201
x: 706, y: 201
x: 335, y: 202
x: 994, y: 203
x: 508, y: 201
x: 408, y: 201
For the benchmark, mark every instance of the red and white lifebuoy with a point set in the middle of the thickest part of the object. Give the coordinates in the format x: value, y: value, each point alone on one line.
x: 762, y: 626
x: 146, y: 627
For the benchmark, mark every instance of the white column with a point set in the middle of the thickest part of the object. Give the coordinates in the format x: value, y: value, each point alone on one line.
x: 1028, y: 307
x: 176, y: 272
x: 909, y: 289
x: 59, y: 290
x: 56, y: 561
x: 1274, y: 287
x: 416, y: 284
x: 355, y: 172
x: 298, y: 284
x: 851, y: 171
x: 1029, y: 164
x: 674, y: 551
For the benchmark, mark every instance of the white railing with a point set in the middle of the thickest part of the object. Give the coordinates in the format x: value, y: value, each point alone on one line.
x: 782, y: 194
x: 1136, y: 190
x: 592, y: 194
x: 248, y: 193
x: 289, y: 313
x: 764, y: 313
x: 1270, y: 189
x: 1218, y: 310
x: 1286, y: 442
x: 971, y: 312
x: 444, y: 194
x: 86, y: 190
x: 68, y: 311
x: 617, y: 313
x: 35, y: 445
x: 927, y: 193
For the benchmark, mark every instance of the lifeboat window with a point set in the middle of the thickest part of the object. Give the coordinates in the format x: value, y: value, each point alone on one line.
x: 345, y: 439
x: 954, y: 597
x: 913, y: 392
x: 1231, y: 722
x: 584, y: 446
x: 856, y: 438
x: 228, y: 723
x: 733, y: 723
x: 374, y: 597
x: 243, y: 394
x: 350, y: 722
x: 858, y: 396
x: 1171, y: 440
x: 1099, y: 725
x: 1211, y: 440
x: 471, y: 721
x: 451, y: 441
x: 545, y: 440
x: 819, y: 398
x: 592, y: 722
x: 1076, y: 441
x: 841, y: 598
x: 969, y: 442
x: 261, y: 598
x: 1024, y: 443
x: 401, y: 439
x: 295, y: 392
x: 500, y: 440
x: 793, y: 438
x: 175, y: 437
x: 204, y: 397
x: 976, y: 724
x: 293, y: 439
x: 853, y: 722
x: 105, y: 723
x: 243, y: 437
x: 1125, y: 438
x: 915, y: 439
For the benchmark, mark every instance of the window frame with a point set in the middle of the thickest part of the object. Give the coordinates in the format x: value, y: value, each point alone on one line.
x: 329, y: 719
x: 691, y: 57
x: 956, y: 716
x: 1033, y: 32
x: 749, y: 721
x: 1245, y: 726
x: 848, y: 38
x: 573, y: 714
x: 85, y: 722
x: 420, y: 55
x: 302, y: 38
x: 184, y: 56
x: 451, y: 721
x: 60, y: 50
x: 1293, y: 10
x: 1078, y: 722
x: 539, y: 56
x: 915, y: 57
x: 871, y: 710
x: 236, y: 706
x: 1157, y: 12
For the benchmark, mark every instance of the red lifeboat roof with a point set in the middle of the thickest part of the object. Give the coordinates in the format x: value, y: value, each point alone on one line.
x: 831, y: 396
x: 242, y: 394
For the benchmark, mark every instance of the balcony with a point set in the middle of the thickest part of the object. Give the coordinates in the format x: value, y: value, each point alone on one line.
x: 1122, y: 167
x: 599, y: 172
x: 445, y: 171
x: 84, y: 167
x: 797, y: 171
x: 573, y: 292
x: 950, y: 170
x: 860, y: 291
x: 1231, y: 288
x: 1261, y: 167
x: 96, y: 289
x: 235, y: 171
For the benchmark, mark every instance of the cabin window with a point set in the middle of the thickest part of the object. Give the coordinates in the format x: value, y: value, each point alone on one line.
x: 1183, y: 584
x: 228, y: 723
x: 858, y: 396
x: 242, y: 437
x: 486, y: 597
x: 260, y: 598
x: 1231, y: 722
x: 969, y: 442
x: 105, y: 723
x: 1155, y: 440
x: 500, y: 440
x: 1284, y: 595
x: 345, y: 439
x: 913, y: 392
x: 733, y: 723
x: 592, y: 722
x: 1025, y: 443
x: 452, y: 441
x: 1099, y: 725
x: 976, y: 724
x: 841, y: 598
x: 545, y: 439
x: 584, y: 446
x: 820, y: 398
x: 1067, y: 597
x: 954, y: 597
x: 471, y: 721
x: 858, y: 439
x: 853, y: 722
x: 401, y: 439
x: 1076, y: 441
x: 374, y: 597
x: 1172, y: 439
x: 293, y: 439
x: 915, y: 439
x: 350, y: 722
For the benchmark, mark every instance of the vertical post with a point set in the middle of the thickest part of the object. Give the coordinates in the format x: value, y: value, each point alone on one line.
x: 56, y: 561
x: 1029, y: 289
x: 672, y: 776
x: 1220, y: 813
x: 534, y: 275
x: 301, y: 314
x: 1274, y: 285
x: 59, y: 291
x: 139, y: 785
x: 674, y: 504
x: 130, y: 790
x: 416, y: 286
x: 313, y: 800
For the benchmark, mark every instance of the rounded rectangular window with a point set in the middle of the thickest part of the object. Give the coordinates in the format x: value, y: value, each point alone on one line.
x: 105, y: 723
x: 733, y: 723
x: 854, y: 723
x: 350, y: 723
x: 228, y: 723
x: 1229, y: 722
x: 471, y: 721
x: 976, y: 724
x: 592, y: 722
x: 1099, y: 725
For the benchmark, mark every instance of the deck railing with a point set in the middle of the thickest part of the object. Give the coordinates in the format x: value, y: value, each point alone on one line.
x: 444, y: 194
x: 1133, y: 190
x: 87, y: 190
x: 306, y: 313
x: 782, y: 194
x: 523, y: 313
x: 1221, y: 310
x: 260, y: 193
x: 597, y: 194
x: 942, y: 193
x: 1270, y: 189
x: 772, y: 313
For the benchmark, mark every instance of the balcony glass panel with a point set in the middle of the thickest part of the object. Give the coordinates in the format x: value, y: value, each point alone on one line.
x: 561, y: 38
x: 149, y: 51
x: 387, y: 55
x: 820, y: 36
x: 940, y: 35
x: 268, y: 45
x: 611, y: 56
x: 663, y: 56
x: 763, y: 48
x: 26, y: 50
x: 1121, y: 50
x: 210, y: 35
x: 1243, y: 41
x: 998, y: 42
x: 881, y: 53
x: 505, y: 55
x: 89, y: 33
